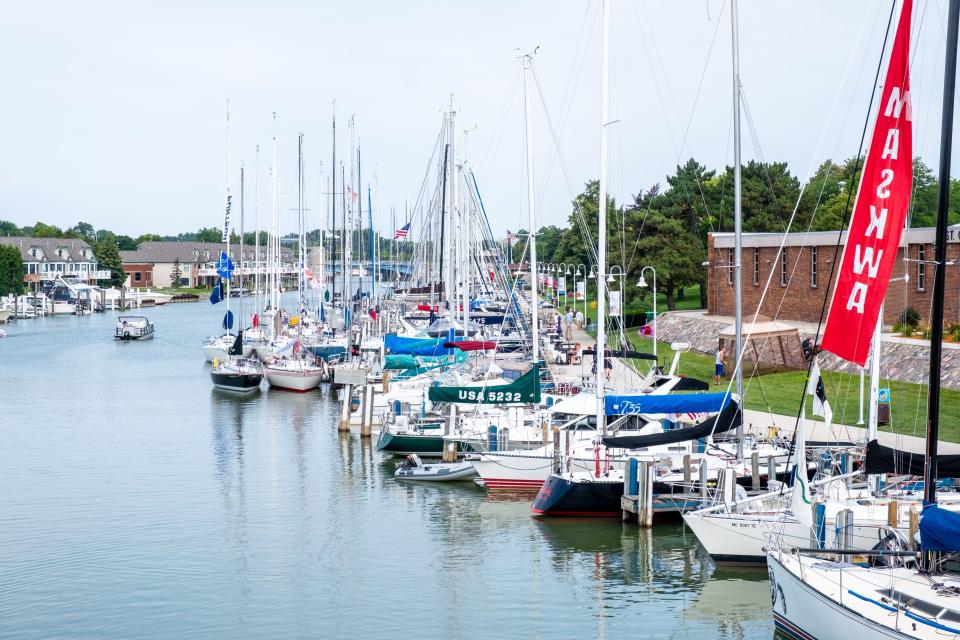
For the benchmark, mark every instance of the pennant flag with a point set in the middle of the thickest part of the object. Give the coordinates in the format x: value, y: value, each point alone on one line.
x: 311, y: 278
x: 883, y: 200
x: 816, y: 389
x: 224, y: 265
x: 256, y: 320
x: 402, y: 232
x: 228, y: 320
x: 801, y: 501
x: 216, y: 295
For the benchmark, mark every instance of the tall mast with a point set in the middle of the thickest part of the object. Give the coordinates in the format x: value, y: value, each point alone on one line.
x: 601, y: 348
x: 226, y: 213
x: 256, y: 241
x: 274, y: 266
x: 737, y: 223
x: 449, y: 286
x: 301, y: 244
x: 940, y: 252
x: 343, y: 246
x: 531, y: 207
x: 333, y: 206
x: 240, y: 261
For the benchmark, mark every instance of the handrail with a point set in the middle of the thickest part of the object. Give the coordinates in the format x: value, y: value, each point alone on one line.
x: 769, y: 494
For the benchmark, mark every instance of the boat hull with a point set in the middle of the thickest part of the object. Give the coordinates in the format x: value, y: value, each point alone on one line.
x: 293, y: 380
x: 236, y: 383
x: 800, y: 611
x: 451, y: 472
x: 600, y: 498
x: 402, y: 444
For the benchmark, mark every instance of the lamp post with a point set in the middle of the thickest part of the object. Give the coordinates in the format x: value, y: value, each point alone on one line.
x: 592, y: 276
x: 643, y: 283
x: 582, y: 275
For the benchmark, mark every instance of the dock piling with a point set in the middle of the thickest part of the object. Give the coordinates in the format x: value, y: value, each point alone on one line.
x: 755, y: 470
x: 344, y: 424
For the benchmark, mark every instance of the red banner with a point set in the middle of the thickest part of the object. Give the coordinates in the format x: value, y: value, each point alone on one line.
x: 879, y: 213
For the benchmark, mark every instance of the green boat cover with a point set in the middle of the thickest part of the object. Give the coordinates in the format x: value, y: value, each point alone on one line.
x: 523, y: 390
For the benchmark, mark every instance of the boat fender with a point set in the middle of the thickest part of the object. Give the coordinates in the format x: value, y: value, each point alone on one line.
x: 216, y: 363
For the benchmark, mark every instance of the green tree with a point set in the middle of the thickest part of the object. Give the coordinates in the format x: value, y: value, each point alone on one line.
x: 176, y: 274
x: 41, y: 230
x: 83, y: 230
x: 209, y: 234
x: 7, y: 228
x: 11, y: 271
x: 108, y: 257
x: 126, y: 243
x: 148, y: 237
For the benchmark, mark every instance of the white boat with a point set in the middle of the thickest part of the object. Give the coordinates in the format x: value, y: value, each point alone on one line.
x: 133, y: 328
x: 413, y: 469
x: 157, y: 297
x: 5, y: 315
x: 294, y: 374
x: 216, y: 347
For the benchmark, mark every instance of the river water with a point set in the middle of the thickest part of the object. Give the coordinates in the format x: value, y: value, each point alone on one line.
x: 136, y: 502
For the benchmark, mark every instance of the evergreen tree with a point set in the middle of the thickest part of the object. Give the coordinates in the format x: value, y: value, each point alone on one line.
x: 11, y: 271
x: 176, y: 275
x: 108, y: 257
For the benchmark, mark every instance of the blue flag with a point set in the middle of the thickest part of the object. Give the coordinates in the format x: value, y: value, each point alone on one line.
x: 216, y: 295
x: 224, y: 265
x: 228, y: 321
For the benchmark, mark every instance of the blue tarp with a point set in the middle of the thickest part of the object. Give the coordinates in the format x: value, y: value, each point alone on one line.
x: 416, y: 346
x: 680, y: 403
x: 939, y: 529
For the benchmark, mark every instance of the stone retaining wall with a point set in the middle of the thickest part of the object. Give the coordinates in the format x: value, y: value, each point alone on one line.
x: 902, y: 361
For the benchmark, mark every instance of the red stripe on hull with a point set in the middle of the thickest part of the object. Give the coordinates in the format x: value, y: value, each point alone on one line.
x: 578, y: 514
x: 515, y: 485
x: 274, y: 386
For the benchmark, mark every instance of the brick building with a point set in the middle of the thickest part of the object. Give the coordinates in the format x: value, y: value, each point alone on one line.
x: 154, y: 263
x: 802, y: 281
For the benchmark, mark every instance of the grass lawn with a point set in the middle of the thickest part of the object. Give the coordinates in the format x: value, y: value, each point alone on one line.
x: 781, y: 392
x: 690, y: 302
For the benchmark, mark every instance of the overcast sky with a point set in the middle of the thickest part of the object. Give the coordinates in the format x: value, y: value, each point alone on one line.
x: 113, y: 111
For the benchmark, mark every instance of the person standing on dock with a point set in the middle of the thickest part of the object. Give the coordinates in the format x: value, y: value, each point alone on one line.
x: 568, y: 319
x: 718, y: 368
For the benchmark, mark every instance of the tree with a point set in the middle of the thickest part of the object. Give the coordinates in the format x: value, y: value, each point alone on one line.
x: 11, y: 271
x: 82, y: 230
x: 41, y: 230
x: 209, y: 234
x: 7, y: 228
x: 126, y: 243
x: 108, y: 257
x: 148, y: 237
x: 176, y: 275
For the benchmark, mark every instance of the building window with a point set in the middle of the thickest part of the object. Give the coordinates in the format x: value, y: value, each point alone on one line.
x: 729, y: 266
x: 921, y: 267
x: 137, y: 276
x: 783, y: 267
x: 756, y: 265
x: 813, y: 267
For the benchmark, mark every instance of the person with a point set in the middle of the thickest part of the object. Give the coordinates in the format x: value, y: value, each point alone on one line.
x: 807, y: 346
x: 569, y: 322
x: 559, y: 322
x: 718, y: 365
x: 579, y: 320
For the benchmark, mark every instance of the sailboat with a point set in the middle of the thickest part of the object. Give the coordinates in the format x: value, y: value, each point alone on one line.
x: 904, y: 592
x: 235, y: 372
x: 292, y: 368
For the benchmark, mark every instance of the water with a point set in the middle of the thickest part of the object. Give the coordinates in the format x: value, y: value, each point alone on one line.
x: 135, y: 502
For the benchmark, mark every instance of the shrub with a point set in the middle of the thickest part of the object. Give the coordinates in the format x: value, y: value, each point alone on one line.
x: 924, y: 329
x: 902, y: 329
x: 910, y: 317
x: 953, y: 330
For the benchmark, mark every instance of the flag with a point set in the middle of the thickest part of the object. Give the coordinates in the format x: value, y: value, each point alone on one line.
x: 226, y: 217
x: 582, y: 290
x: 816, y: 389
x: 883, y: 200
x: 402, y: 232
x: 224, y: 265
x: 311, y: 278
x: 216, y: 295
x: 800, y: 501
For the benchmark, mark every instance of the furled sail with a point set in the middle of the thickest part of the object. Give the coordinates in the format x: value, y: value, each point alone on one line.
x: 680, y: 403
x: 728, y: 419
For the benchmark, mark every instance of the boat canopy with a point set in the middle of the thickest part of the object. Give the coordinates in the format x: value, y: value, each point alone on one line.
x: 690, y: 384
x: 523, y: 390
x: 881, y: 459
x: 939, y: 529
x: 680, y: 403
x: 400, y: 362
x: 730, y: 418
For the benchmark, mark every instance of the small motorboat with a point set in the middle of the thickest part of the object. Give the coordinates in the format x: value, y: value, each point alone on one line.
x: 133, y: 328
x: 413, y: 469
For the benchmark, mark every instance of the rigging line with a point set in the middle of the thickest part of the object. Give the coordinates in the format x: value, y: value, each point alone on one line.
x: 501, y: 121
x: 783, y: 240
x: 686, y: 132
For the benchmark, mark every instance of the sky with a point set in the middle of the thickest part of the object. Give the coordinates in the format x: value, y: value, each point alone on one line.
x: 113, y: 112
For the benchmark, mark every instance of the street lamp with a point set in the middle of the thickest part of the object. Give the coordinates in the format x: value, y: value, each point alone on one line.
x: 582, y: 276
x: 643, y: 283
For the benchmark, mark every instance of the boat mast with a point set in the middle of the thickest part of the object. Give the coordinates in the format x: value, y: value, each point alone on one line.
x: 450, y: 289
x: 940, y: 252
x: 737, y: 224
x: 333, y: 205
x: 601, y: 347
x: 301, y: 244
x: 226, y: 213
x: 240, y: 262
x: 531, y: 206
x: 256, y: 240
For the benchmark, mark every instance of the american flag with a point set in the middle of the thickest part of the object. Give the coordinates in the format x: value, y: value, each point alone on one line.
x: 402, y: 232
